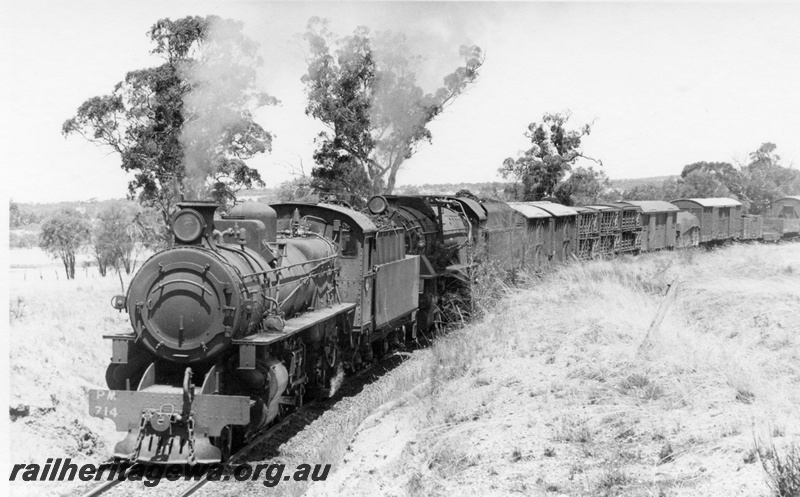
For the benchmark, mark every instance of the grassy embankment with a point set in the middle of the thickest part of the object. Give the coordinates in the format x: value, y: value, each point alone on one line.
x: 57, y: 354
x: 546, y: 395
x: 549, y: 394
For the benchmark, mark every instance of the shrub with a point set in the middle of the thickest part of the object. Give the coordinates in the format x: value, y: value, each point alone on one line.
x: 783, y: 470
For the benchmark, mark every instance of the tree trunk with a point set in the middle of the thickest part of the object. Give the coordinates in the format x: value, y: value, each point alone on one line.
x: 69, y: 265
x: 101, y: 265
x: 390, y: 183
x: 126, y: 262
x: 399, y: 159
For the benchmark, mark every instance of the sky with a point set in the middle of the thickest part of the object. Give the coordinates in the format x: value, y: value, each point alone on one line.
x: 664, y: 85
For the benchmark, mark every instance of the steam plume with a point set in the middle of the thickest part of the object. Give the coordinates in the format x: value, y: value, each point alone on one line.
x: 216, y: 109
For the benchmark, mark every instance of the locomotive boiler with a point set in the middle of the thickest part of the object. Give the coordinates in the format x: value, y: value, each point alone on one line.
x: 252, y: 312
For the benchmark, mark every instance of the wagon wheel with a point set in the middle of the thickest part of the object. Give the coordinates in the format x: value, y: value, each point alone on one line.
x: 349, y: 349
x: 327, y: 359
x: 354, y: 363
x: 284, y: 409
x: 331, y: 349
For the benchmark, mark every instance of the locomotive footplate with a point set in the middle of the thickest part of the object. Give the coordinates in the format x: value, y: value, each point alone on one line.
x: 247, y: 345
x: 160, y: 430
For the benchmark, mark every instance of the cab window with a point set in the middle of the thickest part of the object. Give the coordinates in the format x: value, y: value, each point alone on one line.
x: 349, y: 244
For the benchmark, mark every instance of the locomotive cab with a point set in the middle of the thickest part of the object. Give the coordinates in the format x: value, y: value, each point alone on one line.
x: 372, y: 264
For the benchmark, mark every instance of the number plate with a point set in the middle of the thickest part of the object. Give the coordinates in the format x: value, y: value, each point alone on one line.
x: 211, y: 412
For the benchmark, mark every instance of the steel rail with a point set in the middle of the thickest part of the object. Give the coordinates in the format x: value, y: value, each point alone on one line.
x: 105, y: 487
x: 196, y: 486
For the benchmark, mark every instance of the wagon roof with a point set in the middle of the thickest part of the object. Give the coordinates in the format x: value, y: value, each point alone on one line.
x: 496, y: 207
x: 363, y: 223
x: 557, y: 210
x: 624, y: 205
x: 650, y: 206
x: 500, y: 215
x: 583, y: 209
x: 604, y: 207
x: 528, y: 210
x: 711, y: 202
x: 791, y: 198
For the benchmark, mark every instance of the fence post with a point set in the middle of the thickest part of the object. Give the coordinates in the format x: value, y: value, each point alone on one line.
x: 652, y: 332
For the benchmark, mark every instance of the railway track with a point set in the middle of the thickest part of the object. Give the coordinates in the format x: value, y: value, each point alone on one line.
x: 200, y: 483
x: 196, y: 486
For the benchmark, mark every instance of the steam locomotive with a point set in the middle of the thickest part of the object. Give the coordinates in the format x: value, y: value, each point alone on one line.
x: 250, y: 313
x: 247, y: 315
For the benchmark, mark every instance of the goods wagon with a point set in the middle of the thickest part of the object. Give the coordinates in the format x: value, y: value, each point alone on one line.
x: 787, y: 208
x: 785, y: 220
x: 659, y: 223
x: 609, y: 229
x: 719, y: 218
x: 588, y: 232
x: 537, y: 240
x: 752, y: 227
x: 630, y: 227
x: 563, y: 231
x: 504, y: 238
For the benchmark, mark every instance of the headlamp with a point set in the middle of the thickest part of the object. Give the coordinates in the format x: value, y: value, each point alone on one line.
x: 377, y: 204
x: 187, y: 226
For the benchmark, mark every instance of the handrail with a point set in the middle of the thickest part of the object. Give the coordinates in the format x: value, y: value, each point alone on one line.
x: 272, y: 270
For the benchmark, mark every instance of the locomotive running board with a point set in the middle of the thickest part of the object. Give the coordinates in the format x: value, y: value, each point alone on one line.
x: 247, y: 345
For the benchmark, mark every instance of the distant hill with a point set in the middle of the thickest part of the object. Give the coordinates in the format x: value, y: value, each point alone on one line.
x: 89, y: 207
x: 628, y: 183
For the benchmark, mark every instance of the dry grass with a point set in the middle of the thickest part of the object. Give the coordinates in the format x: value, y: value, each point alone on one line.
x: 548, y: 395
x: 56, y: 355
